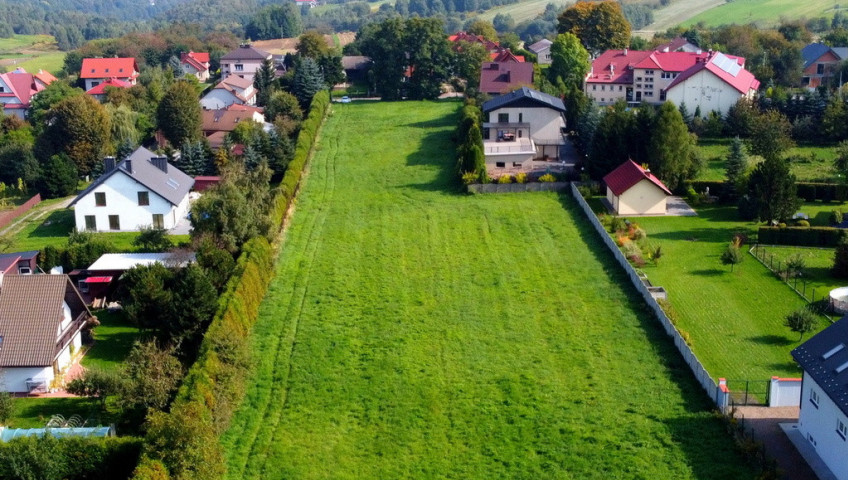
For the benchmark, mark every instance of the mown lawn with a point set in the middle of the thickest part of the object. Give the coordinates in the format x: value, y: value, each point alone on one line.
x: 113, y: 339
x: 766, y: 12
x: 36, y: 412
x: 414, y: 331
x: 735, y: 320
x: 809, y: 163
x: 817, y: 265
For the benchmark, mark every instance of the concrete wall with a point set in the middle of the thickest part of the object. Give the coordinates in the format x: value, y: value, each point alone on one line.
x: 518, y: 187
x: 122, y: 200
x: 14, y: 379
x: 716, y: 393
x: 785, y: 392
x: 818, y: 425
x: 644, y: 198
x: 706, y: 90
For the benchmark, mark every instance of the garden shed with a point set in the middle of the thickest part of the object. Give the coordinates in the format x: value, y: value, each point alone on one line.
x: 633, y: 190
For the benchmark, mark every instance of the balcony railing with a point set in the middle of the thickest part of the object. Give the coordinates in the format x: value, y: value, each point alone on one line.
x: 506, y: 148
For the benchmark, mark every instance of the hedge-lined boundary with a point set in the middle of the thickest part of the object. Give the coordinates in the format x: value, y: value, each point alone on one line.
x: 809, y: 191
x: 800, y: 236
x: 183, y: 444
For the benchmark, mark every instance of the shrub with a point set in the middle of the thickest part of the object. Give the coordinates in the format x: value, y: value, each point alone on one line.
x: 794, y: 265
x: 520, y: 177
x: 802, y: 321
x: 835, y: 217
x: 616, y: 224
x: 803, y: 223
x: 151, y: 239
x: 800, y: 236
x: 503, y: 179
x: 781, y: 225
x: 630, y: 249
x: 96, y: 383
x: 547, y: 178
x: 72, y: 458
x: 670, y: 311
x: 585, y: 191
x: 5, y: 406
x: 469, y: 177
x: 635, y: 232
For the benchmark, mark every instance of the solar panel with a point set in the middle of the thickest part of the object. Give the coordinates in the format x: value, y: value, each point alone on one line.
x: 728, y: 65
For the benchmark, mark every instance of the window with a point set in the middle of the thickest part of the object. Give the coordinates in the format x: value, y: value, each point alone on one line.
x: 143, y: 198
x: 649, y: 94
x: 638, y: 85
x: 100, y: 199
x: 814, y: 398
x: 82, y: 286
x: 114, y: 222
x: 594, y: 87
x: 107, y: 70
x: 603, y: 87
x: 620, y: 88
x: 158, y: 220
x: 24, y: 270
x: 516, y: 164
x: 662, y: 95
x: 650, y: 85
x: 819, y: 69
x: 2, y: 89
x: 842, y: 429
x: 500, y: 164
x: 638, y: 79
x: 90, y: 223
x: 520, y: 119
x: 239, y: 67
x: 503, y: 118
x: 649, y: 72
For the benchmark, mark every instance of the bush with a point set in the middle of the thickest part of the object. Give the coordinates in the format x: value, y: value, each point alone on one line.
x: 5, y: 406
x: 547, y: 178
x: 503, y: 179
x: 617, y: 224
x: 800, y: 236
x: 469, y: 177
x: 70, y: 458
x: 803, y: 223
x: 151, y: 239
x: 520, y: 177
x: 835, y: 217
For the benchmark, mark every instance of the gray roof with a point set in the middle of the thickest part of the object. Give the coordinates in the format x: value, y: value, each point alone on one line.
x: 525, y: 97
x: 814, y: 51
x: 540, y: 45
x: 355, y: 62
x: 30, y: 315
x: 247, y: 52
x: 824, y: 358
x: 172, y: 185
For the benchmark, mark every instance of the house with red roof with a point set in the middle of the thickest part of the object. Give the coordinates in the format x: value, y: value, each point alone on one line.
x: 195, y: 63
x: 99, y: 90
x: 501, y: 77
x: 490, y: 46
x: 633, y: 190
x: 505, y: 55
x: 95, y: 71
x: 19, y: 87
x: 677, y: 44
x: 709, y: 80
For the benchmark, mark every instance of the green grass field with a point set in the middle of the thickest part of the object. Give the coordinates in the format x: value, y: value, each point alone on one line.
x: 32, y: 52
x: 766, y: 12
x: 735, y: 320
x: 414, y: 331
x: 814, y: 165
x: 113, y: 339
x: 818, y: 262
x: 36, y: 412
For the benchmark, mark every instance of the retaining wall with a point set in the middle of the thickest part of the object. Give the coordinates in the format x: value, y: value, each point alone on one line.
x: 717, y: 395
x: 517, y: 187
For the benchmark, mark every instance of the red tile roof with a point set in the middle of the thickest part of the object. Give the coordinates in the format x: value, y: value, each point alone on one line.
x: 199, y: 61
x: 24, y: 86
x: 628, y: 174
x: 471, y: 38
x: 725, y: 67
x: 506, y: 56
x: 615, y: 66
x: 108, y: 67
x: 501, y: 77
x: 100, y: 89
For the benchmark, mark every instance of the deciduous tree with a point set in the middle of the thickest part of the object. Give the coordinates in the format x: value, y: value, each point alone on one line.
x: 770, y: 135
x: 178, y: 115
x: 569, y: 61
x: 802, y: 321
x: 78, y: 126
x: 773, y: 188
x: 484, y: 29
x: 600, y: 26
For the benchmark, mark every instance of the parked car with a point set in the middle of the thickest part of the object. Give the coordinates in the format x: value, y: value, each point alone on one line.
x: 345, y: 99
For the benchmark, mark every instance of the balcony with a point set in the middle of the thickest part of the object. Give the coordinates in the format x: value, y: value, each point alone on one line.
x: 516, y: 147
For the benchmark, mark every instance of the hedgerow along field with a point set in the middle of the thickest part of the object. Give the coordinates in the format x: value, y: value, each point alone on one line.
x: 413, y: 331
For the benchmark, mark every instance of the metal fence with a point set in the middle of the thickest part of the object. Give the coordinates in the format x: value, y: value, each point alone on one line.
x: 749, y: 392
x: 718, y: 396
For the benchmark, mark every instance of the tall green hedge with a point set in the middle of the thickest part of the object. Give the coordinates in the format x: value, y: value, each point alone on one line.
x: 184, y: 441
x: 801, y: 236
x: 71, y: 458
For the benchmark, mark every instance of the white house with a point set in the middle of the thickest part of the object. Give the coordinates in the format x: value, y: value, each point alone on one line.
x: 243, y: 62
x: 542, y: 49
x: 232, y: 90
x: 633, y: 190
x: 824, y: 395
x: 195, y: 63
x: 18, y: 88
x: 95, y: 71
x: 522, y: 125
x: 41, y: 320
x: 715, y: 83
x: 141, y: 191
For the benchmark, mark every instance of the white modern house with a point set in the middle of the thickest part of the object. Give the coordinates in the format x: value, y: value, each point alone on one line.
x: 633, y: 190
x: 232, y: 90
x: 521, y: 126
x: 41, y: 323
x: 824, y: 396
x: 141, y: 191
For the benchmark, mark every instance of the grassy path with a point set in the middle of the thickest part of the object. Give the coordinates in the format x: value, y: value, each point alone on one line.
x: 416, y: 332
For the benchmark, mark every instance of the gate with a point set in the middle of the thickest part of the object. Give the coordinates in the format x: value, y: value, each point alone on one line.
x: 749, y: 392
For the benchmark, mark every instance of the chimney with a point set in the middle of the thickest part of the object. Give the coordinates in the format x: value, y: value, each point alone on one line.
x: 108, y: 164
x: 698, y: 51
x: 612, y: 69
x: 161, y: 163
x: 128, y: 165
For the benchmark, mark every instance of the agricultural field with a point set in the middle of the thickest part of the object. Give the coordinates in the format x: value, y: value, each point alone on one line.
x: 764, y: 12
x: 734, y: 319
x: 808, y: 163
x: 675, y: 13
x: 32, y: 52
x: 415, y: 331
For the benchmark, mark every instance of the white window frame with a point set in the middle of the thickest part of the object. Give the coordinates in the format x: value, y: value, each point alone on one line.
x: 842, y: 429
x: 814, y: 397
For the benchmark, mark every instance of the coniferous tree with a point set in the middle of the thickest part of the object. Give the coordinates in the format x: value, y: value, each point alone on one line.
x: 263, y: 82
x: 773, y: 188
x: 672, y: 147
x: 307, y: 81
x: 736, y: 166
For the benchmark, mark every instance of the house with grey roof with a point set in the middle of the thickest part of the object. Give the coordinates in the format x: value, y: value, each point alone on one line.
x: 521, y: 126
x: 823, y: 420
x: 542, y: 49
x: 41, y: 322
x: 141, y: 191
x: 820, y: 63
x: 243, y: 62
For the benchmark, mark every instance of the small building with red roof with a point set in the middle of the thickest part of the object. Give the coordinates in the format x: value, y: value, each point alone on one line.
x: 19, y: 87
x: 490, y: 46
x: 502, y: 77
x: 633, y: 190
x: 638, y: 76
x: 95, y: 71
x: 99, y: 90
x: 195, y: 63
x: 505, y: 55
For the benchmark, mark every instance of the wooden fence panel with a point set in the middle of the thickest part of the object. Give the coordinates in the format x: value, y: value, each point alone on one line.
x: 8, y: 217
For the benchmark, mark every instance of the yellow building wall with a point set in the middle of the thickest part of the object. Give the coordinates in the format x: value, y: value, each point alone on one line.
x: 644, y: 198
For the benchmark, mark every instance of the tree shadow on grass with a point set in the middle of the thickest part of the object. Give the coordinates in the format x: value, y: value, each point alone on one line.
x: 437, y: 150
x: 771, y: 340
x: 36, y: 412
x: 708, y: 272
x: 58, y: 224
x: 699, y: 234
